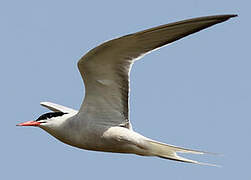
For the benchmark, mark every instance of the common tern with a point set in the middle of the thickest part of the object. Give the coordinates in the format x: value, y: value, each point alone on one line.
x: 102, y: 122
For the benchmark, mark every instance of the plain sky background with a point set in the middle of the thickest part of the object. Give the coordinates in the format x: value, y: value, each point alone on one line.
x: 195, y: 93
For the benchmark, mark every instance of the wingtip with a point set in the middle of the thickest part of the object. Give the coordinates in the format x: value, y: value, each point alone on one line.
x: 226, y: 17
x: 229, y: 15
x: 233, y: 15
x: 43, y: 102
x: 223, y: 17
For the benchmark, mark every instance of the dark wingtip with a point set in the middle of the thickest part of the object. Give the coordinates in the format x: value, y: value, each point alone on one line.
x: 227, y: 16
x: 224, y: 17
x: 233, y: 15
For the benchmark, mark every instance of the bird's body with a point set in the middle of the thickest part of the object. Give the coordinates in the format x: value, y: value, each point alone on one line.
x: 94, y: 136
x: 102, y: 123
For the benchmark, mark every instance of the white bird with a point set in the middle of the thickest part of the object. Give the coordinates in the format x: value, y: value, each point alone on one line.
x: 102, y: 122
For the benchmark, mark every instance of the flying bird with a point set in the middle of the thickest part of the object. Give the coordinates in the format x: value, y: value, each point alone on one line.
x: 102, y: 122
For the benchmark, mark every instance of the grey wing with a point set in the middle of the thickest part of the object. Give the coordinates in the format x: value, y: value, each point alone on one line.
x: 106, y: 69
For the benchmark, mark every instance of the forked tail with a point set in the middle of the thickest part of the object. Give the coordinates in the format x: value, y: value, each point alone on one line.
x: 170, y: 152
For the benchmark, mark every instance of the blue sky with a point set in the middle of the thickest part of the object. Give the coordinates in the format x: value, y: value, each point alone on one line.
x: 194, y: 93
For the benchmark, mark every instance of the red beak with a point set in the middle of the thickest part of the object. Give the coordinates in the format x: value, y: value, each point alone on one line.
x: 29, y: 123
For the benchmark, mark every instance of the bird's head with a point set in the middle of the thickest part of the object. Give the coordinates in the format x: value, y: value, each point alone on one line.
x: 47, y: 119
x: 54, y: 123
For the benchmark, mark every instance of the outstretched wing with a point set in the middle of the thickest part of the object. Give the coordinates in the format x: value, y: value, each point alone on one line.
x: 105, y: 69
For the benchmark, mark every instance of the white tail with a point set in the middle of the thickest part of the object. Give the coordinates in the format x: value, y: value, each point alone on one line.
x: 170, y: 152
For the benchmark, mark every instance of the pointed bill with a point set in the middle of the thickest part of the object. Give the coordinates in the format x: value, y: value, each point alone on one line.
x: 29, y: 123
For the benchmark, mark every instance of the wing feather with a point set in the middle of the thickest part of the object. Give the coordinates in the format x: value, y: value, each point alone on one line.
x: 105, y: 69
x: 56, y: 107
